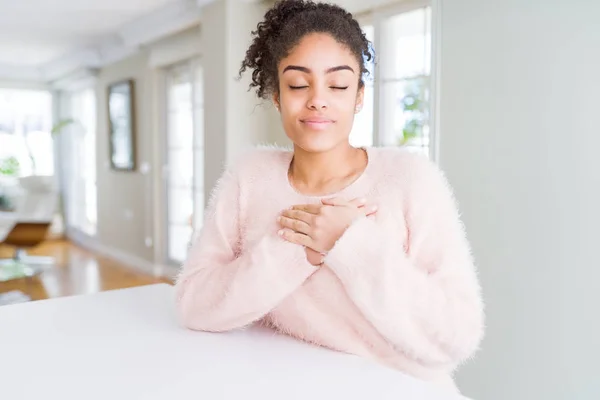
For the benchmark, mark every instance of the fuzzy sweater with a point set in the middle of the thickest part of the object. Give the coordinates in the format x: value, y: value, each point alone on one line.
x: 399, y: 287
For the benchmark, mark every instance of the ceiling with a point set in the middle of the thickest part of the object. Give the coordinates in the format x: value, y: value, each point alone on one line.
x: 36, y: 33
x: 43, y: 41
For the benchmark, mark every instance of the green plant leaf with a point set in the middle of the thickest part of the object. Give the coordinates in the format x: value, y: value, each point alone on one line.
x: 9, y: 166
x: 60, y: 125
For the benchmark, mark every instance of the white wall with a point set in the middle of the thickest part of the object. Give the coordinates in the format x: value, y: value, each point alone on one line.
x: 234, y: 118
x: 125, y: 204
x: 520, y: 143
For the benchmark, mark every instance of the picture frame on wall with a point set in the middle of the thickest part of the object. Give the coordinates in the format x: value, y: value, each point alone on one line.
x: 121, y: 125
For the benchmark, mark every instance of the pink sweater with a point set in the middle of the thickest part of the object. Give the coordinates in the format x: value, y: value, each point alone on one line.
x: 399, y: 287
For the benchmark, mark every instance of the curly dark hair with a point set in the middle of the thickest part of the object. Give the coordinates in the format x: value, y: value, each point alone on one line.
x: 285, y: 25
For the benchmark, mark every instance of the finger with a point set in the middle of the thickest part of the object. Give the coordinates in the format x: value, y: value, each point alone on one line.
x: 299, y: 215
x: 295, y: 237
x: 339, y: 201
x: 359, y: 202
x: 334, y: 201
x: 294, y: 224
x: 309, y: 208
x: 369, y: 210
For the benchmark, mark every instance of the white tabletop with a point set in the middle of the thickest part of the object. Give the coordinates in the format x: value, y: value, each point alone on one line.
x: 126, y: 344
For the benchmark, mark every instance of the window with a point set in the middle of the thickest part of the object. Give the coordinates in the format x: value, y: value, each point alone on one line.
x: 82, y: 192
x: 398, y: 102
x: 25, y: 130
x: 184, y: 157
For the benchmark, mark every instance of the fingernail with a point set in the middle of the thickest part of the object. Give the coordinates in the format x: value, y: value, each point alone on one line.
x: 280, y: 232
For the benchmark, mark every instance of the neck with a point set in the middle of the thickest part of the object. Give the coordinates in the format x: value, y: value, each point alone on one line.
x: 326, y: 171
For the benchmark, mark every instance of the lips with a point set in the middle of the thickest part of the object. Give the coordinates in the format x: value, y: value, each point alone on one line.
x: 317, y: 123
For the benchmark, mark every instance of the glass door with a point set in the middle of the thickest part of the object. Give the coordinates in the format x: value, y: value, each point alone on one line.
x: 184, y: 158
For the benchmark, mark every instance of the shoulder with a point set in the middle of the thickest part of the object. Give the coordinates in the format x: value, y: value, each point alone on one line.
x: 257, y: 169
x: 252, y: 169
x: 401, y: 165
x: 414, y: 175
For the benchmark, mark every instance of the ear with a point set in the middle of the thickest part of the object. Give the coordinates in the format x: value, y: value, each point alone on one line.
x: 360, y: 96
x: 276, y: 101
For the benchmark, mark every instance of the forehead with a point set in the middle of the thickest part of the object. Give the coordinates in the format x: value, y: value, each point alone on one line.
x: 319, y: 51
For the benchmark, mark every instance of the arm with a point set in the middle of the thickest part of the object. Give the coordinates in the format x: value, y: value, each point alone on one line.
x: 219, y: 289
x: 424, y: 299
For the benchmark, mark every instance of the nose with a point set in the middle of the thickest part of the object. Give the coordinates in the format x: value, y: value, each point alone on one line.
x: 317, y: 100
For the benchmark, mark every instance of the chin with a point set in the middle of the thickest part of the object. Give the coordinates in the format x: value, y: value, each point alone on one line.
x: 316, y: 145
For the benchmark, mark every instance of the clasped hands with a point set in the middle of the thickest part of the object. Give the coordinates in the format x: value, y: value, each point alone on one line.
x: 318, y: 227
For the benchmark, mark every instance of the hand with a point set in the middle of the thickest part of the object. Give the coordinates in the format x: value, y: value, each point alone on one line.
x: 319, y: 226
x: 314, y: 257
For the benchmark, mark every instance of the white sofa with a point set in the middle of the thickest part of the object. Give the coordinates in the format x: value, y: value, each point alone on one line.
x: 28, y: 226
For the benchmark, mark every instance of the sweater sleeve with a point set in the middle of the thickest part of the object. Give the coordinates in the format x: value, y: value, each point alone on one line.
x: 221, y: 288
x: 423, y: 297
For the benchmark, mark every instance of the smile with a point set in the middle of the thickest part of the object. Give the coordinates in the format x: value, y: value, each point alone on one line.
x: 317, y: 123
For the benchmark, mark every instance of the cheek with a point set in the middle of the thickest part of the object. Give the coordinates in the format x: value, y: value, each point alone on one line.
x: 295, y: 102
x: 346, y: 101
x: 291, y: 106
x: 345, y: 108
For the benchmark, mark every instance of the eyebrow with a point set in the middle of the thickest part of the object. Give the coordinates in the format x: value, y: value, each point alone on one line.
x: 328, y: 71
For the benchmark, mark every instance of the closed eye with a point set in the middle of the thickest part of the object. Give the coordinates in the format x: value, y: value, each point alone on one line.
x: 331, y: 87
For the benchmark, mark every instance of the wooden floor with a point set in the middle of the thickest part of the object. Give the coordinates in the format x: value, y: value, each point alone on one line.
x: 75, y: 271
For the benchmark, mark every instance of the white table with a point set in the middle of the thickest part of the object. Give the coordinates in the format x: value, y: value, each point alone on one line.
x: 126, y: 344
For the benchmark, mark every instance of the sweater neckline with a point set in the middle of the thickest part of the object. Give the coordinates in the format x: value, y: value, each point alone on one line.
x: 345, y: 190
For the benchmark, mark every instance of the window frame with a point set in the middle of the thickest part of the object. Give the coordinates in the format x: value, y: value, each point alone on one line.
x: 376, y: 17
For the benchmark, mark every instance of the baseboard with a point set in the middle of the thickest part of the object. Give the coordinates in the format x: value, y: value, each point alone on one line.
x: 92, y: 244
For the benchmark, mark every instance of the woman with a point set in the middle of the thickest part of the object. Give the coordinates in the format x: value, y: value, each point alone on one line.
x: 358, y: 250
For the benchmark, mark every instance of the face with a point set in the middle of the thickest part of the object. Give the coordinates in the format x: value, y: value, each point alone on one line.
x: 318, y: 93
